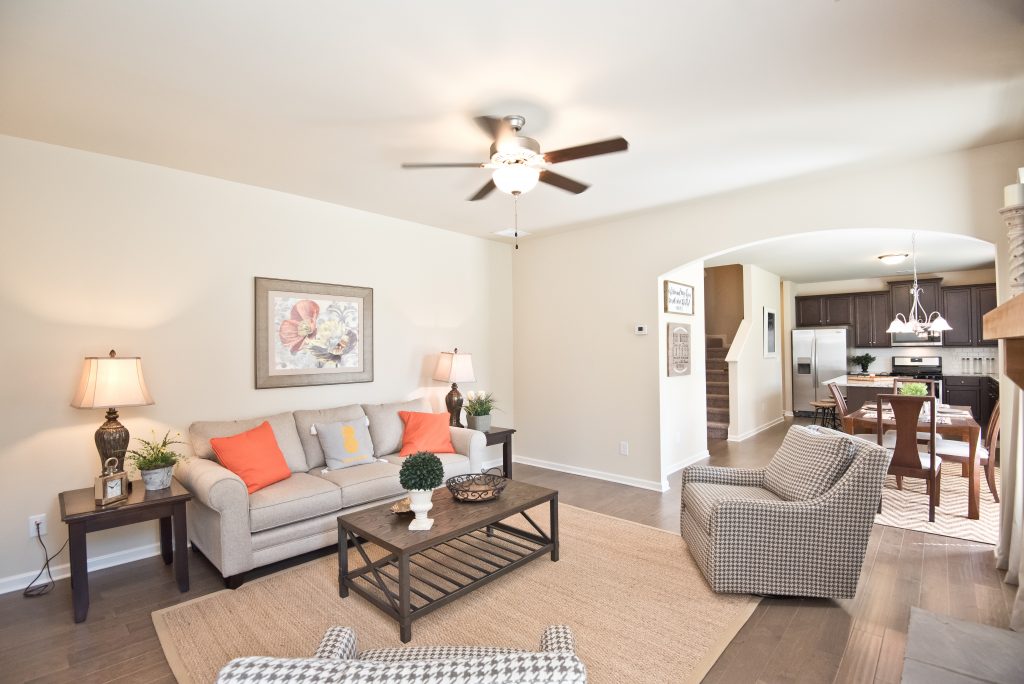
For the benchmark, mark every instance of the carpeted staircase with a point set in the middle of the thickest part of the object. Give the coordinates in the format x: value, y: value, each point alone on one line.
x: 718, y: 387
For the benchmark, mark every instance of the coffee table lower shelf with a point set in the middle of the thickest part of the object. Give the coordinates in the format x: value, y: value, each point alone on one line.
x: 407, y: 586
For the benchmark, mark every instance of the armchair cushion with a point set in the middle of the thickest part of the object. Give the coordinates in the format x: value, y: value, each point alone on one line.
x: 808, y: 463
x: 701, y: 498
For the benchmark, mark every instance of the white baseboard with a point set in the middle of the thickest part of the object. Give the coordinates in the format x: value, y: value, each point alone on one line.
x: 679, y: 465
x: 493, y: 463
x: 787, y: 414
x: 62, y: 571
x: 596, y: 474
x: 751, y: 433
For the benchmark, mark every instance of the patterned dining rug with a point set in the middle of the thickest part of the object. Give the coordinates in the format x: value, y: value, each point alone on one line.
x: 909, y: 508
x: 637, y: 604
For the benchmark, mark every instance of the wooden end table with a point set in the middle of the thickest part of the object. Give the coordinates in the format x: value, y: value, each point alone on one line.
x: 502, y: 436
x: 468, y: 546
x: 79, y: 510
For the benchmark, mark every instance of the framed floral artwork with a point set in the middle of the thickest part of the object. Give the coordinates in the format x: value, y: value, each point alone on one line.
x: 312, y: 333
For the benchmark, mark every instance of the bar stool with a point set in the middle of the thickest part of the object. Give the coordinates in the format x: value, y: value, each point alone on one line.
x: 826, y: 411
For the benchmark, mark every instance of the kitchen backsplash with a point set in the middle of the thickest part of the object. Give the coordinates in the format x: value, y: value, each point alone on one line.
x: 958, y: 361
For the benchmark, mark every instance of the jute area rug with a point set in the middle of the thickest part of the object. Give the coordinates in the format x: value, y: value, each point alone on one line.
x: 636, y: 602
x: 909, y: 508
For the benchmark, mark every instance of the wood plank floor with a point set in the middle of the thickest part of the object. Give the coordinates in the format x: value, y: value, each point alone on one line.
x: 785, y: 640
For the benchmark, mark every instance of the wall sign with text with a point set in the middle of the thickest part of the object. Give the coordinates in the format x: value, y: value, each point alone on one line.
x: 678, y: 298
x: 678, y: 349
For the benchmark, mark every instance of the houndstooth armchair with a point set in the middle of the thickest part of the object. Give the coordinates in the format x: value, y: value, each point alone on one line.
x: 799, y: 527
x: 336, y: 661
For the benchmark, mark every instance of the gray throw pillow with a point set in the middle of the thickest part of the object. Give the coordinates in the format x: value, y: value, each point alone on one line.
x: 808, y: 463
x: 346, y: 443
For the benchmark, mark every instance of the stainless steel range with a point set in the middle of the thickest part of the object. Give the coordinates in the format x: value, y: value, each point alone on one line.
x: 920, y: 368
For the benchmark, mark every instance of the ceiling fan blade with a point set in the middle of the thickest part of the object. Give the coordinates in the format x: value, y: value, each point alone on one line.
x: 484, y: 191
x: 559, y: 181
x: 456, y: 165
x: 494, y: 127
x: 589, y: 150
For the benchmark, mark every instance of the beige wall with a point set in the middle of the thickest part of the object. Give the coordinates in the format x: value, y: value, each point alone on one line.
x: 584, y: 381
x: 723, y: 300
x: 103, y: 253
x: 977, y: 276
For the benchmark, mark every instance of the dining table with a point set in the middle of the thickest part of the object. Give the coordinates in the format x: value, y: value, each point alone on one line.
x: 953, y: 422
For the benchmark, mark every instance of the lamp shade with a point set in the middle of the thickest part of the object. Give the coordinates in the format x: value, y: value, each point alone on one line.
x: 454, y: 367
x: 111, y: 381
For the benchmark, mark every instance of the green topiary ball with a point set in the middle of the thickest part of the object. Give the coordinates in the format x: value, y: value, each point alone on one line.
x: 422, y: 470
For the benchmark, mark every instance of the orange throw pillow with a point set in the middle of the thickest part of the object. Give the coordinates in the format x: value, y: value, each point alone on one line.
x: 426, y: 432
x: 253, y: 456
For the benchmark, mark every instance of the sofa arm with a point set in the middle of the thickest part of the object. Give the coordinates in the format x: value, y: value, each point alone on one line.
x: 558, y: 638
x: 213, y: 485
x: 339, y: 643
x: 728, y: 476
x: 472, y: 444
x: 218, y: 520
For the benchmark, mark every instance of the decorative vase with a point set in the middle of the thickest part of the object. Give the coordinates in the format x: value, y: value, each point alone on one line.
x: 420, y: 504
x: 157, y: 479
x: 481, y: 423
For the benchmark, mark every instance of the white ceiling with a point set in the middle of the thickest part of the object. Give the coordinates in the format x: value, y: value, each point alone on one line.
x: 326, y: 98
x: 853, y: 254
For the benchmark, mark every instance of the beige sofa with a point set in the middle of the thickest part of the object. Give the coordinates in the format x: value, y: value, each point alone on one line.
x: 237, y: 531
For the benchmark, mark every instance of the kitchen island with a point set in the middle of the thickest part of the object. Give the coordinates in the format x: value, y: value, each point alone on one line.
x: 861, y: 388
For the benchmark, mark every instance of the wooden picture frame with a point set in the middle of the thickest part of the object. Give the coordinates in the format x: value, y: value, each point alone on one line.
x: 312, y: 333
x: 679, y: 345
x: 678, y: 298
x: 770, y: 331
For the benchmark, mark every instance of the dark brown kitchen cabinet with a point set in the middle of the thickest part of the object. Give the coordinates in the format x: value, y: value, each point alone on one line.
x: 931, y: 296
x: 824, y: 310
x: 963, y: 308
x: 871, y: 318
x: 966, y: 390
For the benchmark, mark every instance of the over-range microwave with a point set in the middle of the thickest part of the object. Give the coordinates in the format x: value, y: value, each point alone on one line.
x: 930, y: 338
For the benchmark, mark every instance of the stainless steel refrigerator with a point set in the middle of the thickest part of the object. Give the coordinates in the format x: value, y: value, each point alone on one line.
x: 819, y: 354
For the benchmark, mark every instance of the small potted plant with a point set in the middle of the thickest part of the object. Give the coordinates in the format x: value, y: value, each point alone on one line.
x: 155, y: 460
x: 420, y: 475
x: 863, y: 360
x: 914, y: 389
x: 478, y: 410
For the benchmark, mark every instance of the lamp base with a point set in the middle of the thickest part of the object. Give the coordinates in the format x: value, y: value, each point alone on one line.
x: 453, y: 402
x: 112, y: 440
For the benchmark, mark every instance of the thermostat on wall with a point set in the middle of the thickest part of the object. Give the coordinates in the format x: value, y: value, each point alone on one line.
x: 640, y: 329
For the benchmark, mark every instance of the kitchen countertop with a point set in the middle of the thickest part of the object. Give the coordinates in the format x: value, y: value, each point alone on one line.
x: 862, y: 381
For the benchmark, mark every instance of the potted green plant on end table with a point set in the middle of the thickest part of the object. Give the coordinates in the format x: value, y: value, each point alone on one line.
x: 863, y: 360
x: 155, y: 460
x: 478, y: 410
x: 420, y: 475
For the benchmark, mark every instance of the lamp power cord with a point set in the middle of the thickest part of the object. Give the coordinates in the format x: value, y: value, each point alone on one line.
x: 34, y: 590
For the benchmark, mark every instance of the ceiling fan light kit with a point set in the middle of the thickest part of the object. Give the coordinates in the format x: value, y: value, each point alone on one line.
x: 515, y: 179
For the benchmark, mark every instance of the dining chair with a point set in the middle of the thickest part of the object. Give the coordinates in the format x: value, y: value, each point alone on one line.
x: 956, y: 450
x: 907, y: 458
x: 889, y: 438
x: 841, y: 409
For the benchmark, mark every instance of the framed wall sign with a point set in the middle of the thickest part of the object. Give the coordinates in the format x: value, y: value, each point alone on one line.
x: 312, y: 333
x: 678, y: 298
x: 771, y: 333
x: 678, y: 349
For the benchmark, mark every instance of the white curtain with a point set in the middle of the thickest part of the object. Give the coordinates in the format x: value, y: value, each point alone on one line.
x: 1009, y: 554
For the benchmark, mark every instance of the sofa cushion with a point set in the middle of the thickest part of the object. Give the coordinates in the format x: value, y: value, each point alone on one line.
x: 300, y: 497
x: 346, y: 443
x: 386, y: 427
x: 363, y: 484
x: 304, y: 421
x: 699, y: 498
x: 254, y: 456
x: 282, y: 424
x: 454, y: 464
x: 425, y: 432
x: 809, y: 462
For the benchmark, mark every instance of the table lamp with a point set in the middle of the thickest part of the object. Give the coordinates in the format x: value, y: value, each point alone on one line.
x: 111, y: 381
x: 454, y: 367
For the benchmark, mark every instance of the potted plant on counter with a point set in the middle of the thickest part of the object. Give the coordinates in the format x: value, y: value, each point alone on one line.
x: 420, y: 475
x: 478, y: 410
x: 863, y: 360
x: 155, y: 460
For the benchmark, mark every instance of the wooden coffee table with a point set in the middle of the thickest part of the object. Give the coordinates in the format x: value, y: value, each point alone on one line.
x: 469, y: 545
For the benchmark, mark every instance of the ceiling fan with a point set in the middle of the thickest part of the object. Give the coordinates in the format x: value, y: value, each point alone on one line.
x: 518, y: 163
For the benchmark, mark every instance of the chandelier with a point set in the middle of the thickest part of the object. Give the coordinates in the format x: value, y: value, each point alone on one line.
x: 918, y: 321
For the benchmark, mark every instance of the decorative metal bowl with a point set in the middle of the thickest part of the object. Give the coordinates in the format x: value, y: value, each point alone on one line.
x: 485, y: 486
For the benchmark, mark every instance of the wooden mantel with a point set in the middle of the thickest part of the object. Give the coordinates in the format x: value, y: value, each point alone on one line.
x: 1006, y: 322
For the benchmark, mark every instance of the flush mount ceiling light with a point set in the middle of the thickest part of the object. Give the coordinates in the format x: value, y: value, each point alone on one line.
x: 918, y: 321
x: 893, y: 259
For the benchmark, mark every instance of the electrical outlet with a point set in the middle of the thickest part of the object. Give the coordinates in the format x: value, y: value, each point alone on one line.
x: 623, y: 448
x: 41, y: 519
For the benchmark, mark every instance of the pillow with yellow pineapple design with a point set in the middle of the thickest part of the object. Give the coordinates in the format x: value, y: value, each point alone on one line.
x: 345, y: 443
